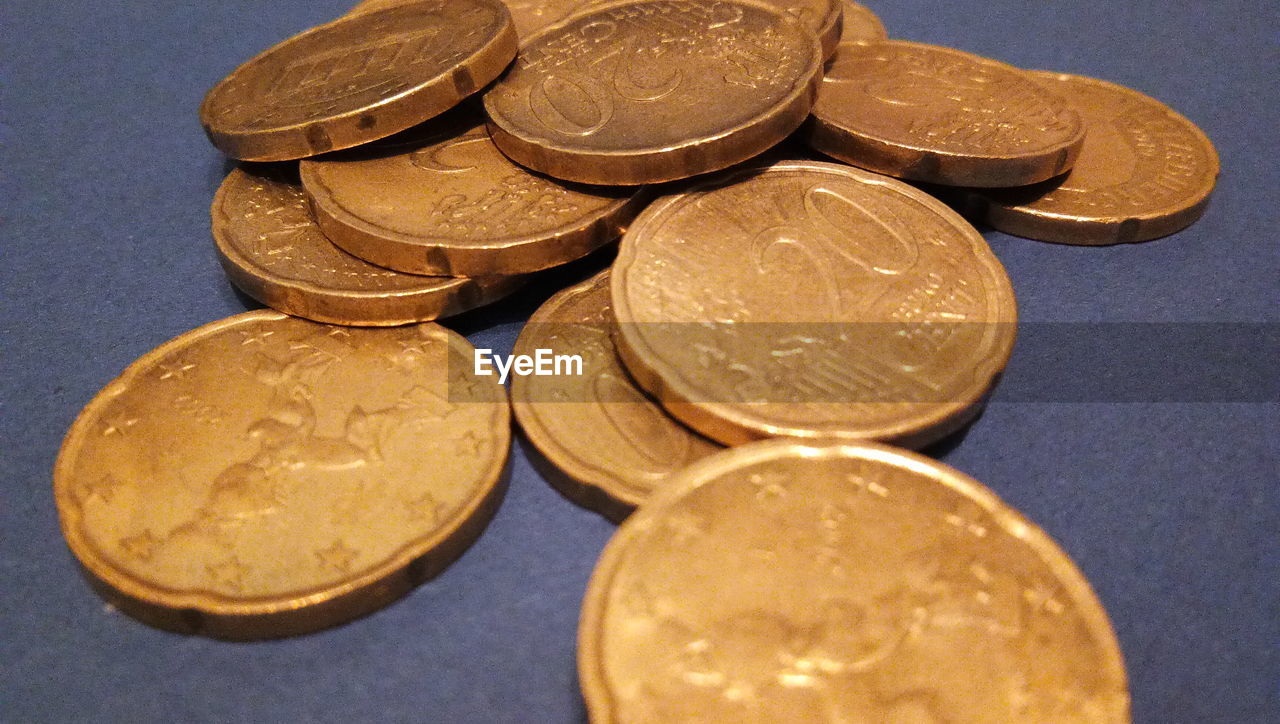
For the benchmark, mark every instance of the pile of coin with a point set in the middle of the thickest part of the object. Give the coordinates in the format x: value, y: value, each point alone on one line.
x: 771, y: 324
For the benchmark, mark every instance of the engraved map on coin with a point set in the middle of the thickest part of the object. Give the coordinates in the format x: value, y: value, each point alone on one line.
x: 606, y: 97
x: 265, y: 464
x: 811, y: 299
x: 1144, y: 172
x: 778, y: 582
x: 597, y: 428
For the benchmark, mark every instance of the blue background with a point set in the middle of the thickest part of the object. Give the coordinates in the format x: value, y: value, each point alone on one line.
x: 1170, y: 509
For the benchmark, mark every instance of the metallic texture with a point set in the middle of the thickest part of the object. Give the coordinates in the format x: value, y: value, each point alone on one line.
x: 643, y: 92
x: 1144, y: 172
x: 788, y: 582
x: 860, y: 24
x: 272, y: 249
x: 934, y: 114
x: 610, y: 444
x: 362, y: 77
x: 266, y: 476
x: 810, y: 299
x: 442, y: 199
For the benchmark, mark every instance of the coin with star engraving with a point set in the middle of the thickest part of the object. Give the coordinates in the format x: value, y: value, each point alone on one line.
x: 642, y: 92
x: 441, y: 199
x: 812, y: 300
x: 1144, y: 172
x: 362, y: 77
x: 933, y: 114
x: 610, y: 444
x: 860, y: 24
x: 272, y: 249
x: 788, y: 582
x: 265, y: 476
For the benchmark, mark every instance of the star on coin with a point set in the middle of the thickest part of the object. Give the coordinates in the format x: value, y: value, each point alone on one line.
x: 469, y: 444
x: 104, y: 488
x: 858, y: 482
x: 337, y: 556
x: 141, y: 546
x: 974, y: 528
x: 227, y: 574
x: 769, y: 486
x: 118, y: 425
x: 249, y: 337
x: 175, y: 370
x: 425, y: 508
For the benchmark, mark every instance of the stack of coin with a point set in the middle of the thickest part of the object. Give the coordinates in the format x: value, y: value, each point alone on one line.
x: 417, y: 158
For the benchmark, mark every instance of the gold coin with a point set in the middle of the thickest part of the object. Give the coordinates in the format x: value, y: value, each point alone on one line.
x: 861, y: 25
x: 529, y: 16
x: 266, y: 476
x: 810, y: 299
x: 939, y: 115
x: 272, y: 249
x: 610, y: 444
x: 1144, y: 172
x: 446, y: 201
x: 783, y: 582
x: 362, y: 77
x: 644, y: 92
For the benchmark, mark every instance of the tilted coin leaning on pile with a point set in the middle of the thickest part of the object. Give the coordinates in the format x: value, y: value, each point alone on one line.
x: 783, y: 308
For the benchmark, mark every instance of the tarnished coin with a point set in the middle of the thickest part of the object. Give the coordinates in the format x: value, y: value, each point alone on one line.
x: 362, y: 77
x: 266, y: 476
x: 1144, y: 172
x: 860, y: 24
x: 783, y: 582
x: 652, y: 91
x: 809, y: 299
x: 272, y: 249
x: 446, y: 201
x: 611, y: 445
x: 939, y: 115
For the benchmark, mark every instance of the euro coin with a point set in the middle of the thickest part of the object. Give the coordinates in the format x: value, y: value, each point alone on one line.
x: 265, y: 475
x: 809, y: 299
x: 443, y: 200
x: 644, y: 92
x: 610, y: 445
x: 938, y: 115
x: 1144, y: 172
x: 787, y: 582
x: 860, y: 24
x: 272, y: 249
x: 360, y: 78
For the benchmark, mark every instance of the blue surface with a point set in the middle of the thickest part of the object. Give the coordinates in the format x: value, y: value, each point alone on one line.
x: 1172, y: 510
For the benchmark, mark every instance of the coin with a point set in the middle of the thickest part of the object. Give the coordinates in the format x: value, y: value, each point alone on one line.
x: 1144, y: 172
x: 610, y: 444
x: 362, y: 77
x: 444, y: 200
x: 823, y: 17
x: 265, y: 475
x: 273, y: 250
x: 809, y: 299
x: 532, y: 16
x: 939, y: 115
x: 645, y: 92
x: 860, y: 24
x: 784, y: 582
